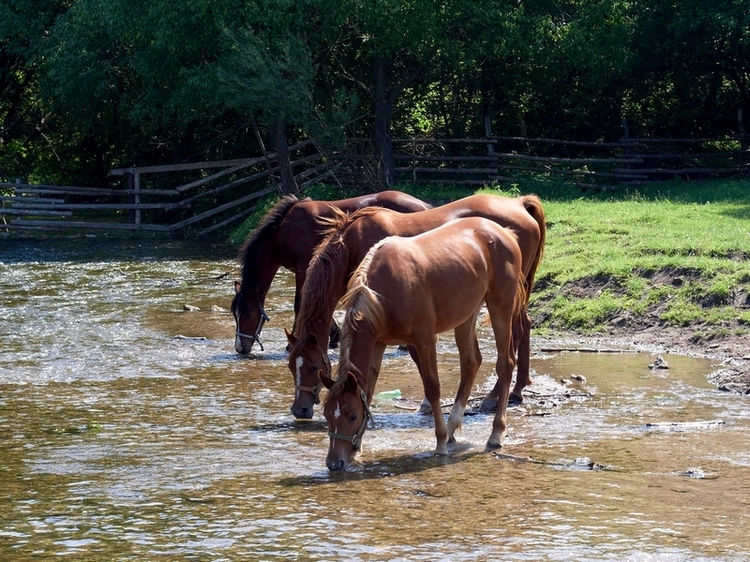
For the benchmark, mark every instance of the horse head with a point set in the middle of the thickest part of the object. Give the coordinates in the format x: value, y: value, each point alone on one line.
x: 306, y: 361
x: 249, y: 317
x: 347, y: 414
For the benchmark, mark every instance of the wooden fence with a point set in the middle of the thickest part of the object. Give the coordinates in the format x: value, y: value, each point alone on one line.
x: 206, y: 203
x: 206, y: 200
x: 589, y: 165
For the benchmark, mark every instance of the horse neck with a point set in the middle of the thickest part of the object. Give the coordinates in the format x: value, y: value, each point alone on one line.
x: 325, y: 284
x: 259, y: 268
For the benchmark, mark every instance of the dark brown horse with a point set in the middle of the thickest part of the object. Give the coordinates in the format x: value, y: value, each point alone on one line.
x: 348, y: 241
x: 286, y: 237
x: 408, y: 290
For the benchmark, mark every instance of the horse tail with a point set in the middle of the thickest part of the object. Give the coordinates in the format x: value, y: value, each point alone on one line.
x: 533, y: 206
x: 519, y: 305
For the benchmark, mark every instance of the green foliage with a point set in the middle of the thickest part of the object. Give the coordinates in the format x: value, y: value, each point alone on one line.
x: 24, y: 29
x: 585, y: 313
x: 87, y: 85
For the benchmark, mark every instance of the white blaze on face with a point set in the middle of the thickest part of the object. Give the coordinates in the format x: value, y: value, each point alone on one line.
x: 337, y: 412
x: 298, y: 364
x: 237, y: 340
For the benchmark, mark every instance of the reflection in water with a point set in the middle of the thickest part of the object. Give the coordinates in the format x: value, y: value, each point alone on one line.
x: 119, y: 440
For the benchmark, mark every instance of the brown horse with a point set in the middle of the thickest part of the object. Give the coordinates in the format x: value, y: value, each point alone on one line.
x: 287, y: 236
x: 348, y: 241
x: 408, y: 290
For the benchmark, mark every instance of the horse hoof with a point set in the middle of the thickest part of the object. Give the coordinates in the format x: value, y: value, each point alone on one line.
x: 489, y: 404
x: 493, y: 446
x: 515, y: 400
x: 425, y: 407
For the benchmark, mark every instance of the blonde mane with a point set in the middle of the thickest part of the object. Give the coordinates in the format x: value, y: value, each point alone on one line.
x: 362, y: 305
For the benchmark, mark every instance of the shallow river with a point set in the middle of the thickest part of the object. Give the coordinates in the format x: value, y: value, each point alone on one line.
x: 131, y: 430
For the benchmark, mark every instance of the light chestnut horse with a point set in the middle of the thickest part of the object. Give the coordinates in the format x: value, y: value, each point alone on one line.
x: 408, y: 290
x: 287, y: 237
x: 349, y: 239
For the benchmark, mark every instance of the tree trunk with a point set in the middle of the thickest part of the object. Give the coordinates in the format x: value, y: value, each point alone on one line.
x: 382, y: 140
x: 285, y: 178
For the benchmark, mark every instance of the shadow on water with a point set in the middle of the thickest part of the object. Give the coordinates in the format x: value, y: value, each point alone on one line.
x: 387, y: 467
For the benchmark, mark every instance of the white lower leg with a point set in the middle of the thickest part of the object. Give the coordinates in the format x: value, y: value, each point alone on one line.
x: 455, y: 420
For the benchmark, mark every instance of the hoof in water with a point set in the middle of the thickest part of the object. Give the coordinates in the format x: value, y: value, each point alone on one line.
x: 425, y: 407
x: 489, y: 404
x: 515, y: 400
x: 493, y: 446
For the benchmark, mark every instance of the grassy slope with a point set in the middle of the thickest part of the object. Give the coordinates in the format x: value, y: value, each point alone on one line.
x: 672, y: 253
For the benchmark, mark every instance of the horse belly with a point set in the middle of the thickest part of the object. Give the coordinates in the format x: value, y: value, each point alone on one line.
x: 440, y: 299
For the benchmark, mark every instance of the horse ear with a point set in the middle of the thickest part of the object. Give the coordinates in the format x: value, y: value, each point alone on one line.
x: 312, y: 341
x: 351, y: 382
x: 237, y: 287
x: 290, y: 337
x: 325, y: 379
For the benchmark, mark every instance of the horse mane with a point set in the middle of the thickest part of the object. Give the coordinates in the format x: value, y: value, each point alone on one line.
x: 341, y: 219
x: 330, y: 256
x: 362, y: 305
x: 259, y: 236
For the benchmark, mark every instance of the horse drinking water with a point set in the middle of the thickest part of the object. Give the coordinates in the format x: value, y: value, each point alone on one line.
x: 408, y: 290
x: 287, y: 236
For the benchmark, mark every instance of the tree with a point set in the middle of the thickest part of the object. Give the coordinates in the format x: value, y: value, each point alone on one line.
x: 693, y: 70
x: 24, y: 25
x: 270, y: 77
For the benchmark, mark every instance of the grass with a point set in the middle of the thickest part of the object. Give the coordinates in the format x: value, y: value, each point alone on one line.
x: 670, y: 253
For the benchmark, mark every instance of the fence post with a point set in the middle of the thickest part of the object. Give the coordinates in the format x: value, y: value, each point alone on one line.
x: 134, y: 185
x: 413, y: 160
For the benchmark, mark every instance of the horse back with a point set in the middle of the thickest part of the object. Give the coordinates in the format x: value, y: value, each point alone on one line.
x: 441, y: 277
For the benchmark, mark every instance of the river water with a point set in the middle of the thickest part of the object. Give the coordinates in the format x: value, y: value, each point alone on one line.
x: 131, y: 430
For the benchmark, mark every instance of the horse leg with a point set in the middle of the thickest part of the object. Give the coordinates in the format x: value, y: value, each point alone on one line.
x: 523, y: 378
x: 429, y: 372
x: 471, y: 360
x: 334, y: 335
x: 522, y: 338
x: 501, y: 317
x: 424, y: 407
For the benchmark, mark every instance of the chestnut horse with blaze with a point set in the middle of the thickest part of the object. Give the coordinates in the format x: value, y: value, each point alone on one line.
x: 349, y: 239
x: 287, y: 236
x: 407, y: 291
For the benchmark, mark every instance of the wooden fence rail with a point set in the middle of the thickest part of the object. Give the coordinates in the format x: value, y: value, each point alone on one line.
x: 227, y: 191
x: 202, y: 204
x: 594, y: 165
